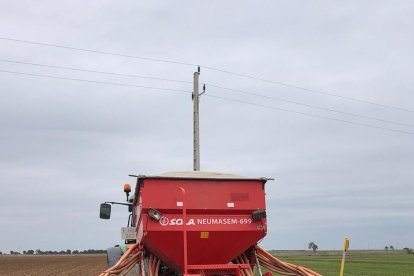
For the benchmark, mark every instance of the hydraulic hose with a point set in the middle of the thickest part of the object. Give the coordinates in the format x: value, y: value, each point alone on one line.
x: 133, y: 256
x: 125, y: 263
x: 274, y: 264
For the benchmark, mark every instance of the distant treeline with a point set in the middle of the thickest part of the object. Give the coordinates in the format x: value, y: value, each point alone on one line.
x: 62, y: 252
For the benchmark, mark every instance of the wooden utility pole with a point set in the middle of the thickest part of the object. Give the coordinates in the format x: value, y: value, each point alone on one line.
x: 196, y: 128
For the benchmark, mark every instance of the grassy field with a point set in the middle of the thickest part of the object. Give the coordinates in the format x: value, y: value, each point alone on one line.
x: 372, y: 263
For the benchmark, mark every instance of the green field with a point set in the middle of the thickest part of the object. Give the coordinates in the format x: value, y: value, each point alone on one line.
x: 372, y: 263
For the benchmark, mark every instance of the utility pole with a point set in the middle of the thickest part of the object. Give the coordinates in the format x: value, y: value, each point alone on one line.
x: 196, y: 129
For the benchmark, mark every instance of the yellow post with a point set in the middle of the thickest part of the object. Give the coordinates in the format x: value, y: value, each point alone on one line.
x: 346, y: 246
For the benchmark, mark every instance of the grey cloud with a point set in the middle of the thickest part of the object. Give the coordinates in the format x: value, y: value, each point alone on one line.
x: 67, y: 146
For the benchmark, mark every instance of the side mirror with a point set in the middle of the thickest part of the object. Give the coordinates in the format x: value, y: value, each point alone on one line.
x: 105, y: 211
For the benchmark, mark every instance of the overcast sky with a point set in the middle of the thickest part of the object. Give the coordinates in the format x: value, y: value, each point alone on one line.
x: 66, y: 146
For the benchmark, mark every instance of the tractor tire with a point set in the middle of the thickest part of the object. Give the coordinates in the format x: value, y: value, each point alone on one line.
x: 113, y: 254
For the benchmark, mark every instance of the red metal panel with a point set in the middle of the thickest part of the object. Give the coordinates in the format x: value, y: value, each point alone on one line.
x: 218, y: 224
x: 203, y: 194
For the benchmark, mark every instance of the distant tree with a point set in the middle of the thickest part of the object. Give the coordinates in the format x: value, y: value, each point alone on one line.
x: 61, y: 252
x: 392, y: 247
x: 386, y: 248
x: 90, y: 251
x: 313, y: 246
x: 408, y: 250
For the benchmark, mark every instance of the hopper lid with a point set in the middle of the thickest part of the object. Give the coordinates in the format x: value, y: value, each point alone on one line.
x: 201, y: 175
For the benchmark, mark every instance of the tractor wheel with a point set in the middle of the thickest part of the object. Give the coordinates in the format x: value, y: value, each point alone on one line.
x: 113, y: 254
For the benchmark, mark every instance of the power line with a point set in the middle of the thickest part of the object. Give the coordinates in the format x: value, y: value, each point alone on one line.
x: 308, y: 105
x: 307, y: 114
x: 97, y: 51
x: 93, y: 81
x: 213, y: 96
x: 308, y: 89
x: 210, y: 68
x: 212, y: 85
x: 92, y: 71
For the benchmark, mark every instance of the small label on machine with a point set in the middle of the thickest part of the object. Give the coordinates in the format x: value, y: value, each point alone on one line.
x: 128, y: 233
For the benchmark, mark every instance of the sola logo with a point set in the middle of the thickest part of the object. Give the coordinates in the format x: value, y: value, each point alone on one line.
x: 164, y: 221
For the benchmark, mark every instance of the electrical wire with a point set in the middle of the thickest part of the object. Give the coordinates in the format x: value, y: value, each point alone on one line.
x: 307, y: 89
x: 99, y: 82
x: 91, y: 71
x: 308, y: 114
x: 210, y: 68
x: 208, y: 95
x: 308, y: 105
x: 211, y: 85
x: 96, y: 51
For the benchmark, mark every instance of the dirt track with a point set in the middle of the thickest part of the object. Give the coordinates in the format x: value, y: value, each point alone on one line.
x: 48, y: 265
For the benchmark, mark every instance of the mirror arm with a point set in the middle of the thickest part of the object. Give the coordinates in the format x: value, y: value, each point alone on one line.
x: 118, y: 203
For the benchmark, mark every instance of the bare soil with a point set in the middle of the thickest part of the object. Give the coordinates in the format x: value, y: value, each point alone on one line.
x: 48, y: 265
